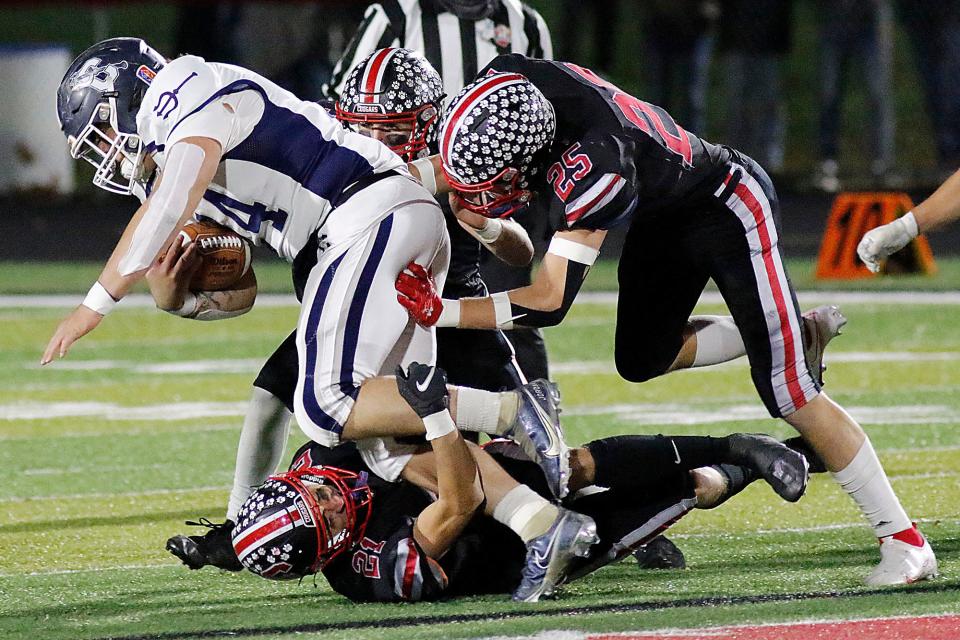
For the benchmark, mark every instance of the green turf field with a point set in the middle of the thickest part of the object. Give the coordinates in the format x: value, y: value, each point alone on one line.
x: 104, y: 454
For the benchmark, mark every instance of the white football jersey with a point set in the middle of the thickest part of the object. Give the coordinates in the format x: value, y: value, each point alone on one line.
x: 285, y: 161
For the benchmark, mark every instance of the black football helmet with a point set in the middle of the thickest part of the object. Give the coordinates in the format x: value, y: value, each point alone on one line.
x: 102, y: 89
x: 392, y: 87
x: 488, y: 139
x: 282, y: 532
x: 470, y: 9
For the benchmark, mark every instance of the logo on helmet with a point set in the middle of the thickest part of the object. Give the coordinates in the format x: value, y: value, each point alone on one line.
x: 304, y: 512
x: 93, y: 74
x: 369, y: 108
x: 146, y: 74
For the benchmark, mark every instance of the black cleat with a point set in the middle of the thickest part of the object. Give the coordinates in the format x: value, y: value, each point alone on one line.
x: 214, y: 548
x: 660, y: 553
x: 785, y: 470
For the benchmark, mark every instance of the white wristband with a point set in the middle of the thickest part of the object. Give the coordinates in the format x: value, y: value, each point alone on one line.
x: 573, y: 251
x: 99, y: 299
x: 427, y: 176
x: 503, y: 312
x: 910, y: 224
x: 189, y: 308
x: 450, y: 314
x: 491, y: 230
x: 439, y: 424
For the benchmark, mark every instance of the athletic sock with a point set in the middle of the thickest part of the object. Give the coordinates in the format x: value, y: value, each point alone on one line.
x: 718, y: 340
x: 866, y: 482
x: 617, y: 460
x: 486, y: 411
x: 525, y: 512
x: 262, y: 443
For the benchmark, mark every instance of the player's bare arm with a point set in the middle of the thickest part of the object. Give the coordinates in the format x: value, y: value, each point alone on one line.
x: 506, y: 239
x: 542, y: 303
x: 459, y: 493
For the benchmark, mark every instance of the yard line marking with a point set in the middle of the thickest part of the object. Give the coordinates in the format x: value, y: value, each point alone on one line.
x: 132, y: 301
x: 112, y: 411
x: 122, y: 494
x: 126, y: 432
x: 227, y: 365
x: 142, y: 300
x: 60, y: 572
x: 592, y: 367
x: 811, y: 529
x: 681, y: 414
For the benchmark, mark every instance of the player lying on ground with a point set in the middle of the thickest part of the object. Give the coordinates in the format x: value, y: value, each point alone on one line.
x: 231, y: 145
x: 941, y: 208
x: 381, y: 541
x: 598, y: 157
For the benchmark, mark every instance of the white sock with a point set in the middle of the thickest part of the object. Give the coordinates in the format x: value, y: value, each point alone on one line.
x: 485, y: 411
x: 527, y: 513
x: 262, y: 443
x: 866, y: 482
x: 718, y: 340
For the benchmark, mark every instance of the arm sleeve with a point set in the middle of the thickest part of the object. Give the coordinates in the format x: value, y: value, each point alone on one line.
x: 370, y: 36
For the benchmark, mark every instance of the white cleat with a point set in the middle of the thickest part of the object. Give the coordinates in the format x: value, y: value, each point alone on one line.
x: 902, y: 563
x: 820, y: 326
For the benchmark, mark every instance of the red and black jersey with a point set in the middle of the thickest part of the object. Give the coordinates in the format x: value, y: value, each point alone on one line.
x: 387, y: 565
x: 614, y: 157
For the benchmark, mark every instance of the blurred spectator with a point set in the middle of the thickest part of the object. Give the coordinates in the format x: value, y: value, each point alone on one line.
x: 603, y: 16
x: 754, y: 38
x: 855, y: 35
x: 933, y: 27
x: 288, y: 42
x: 678, y: 40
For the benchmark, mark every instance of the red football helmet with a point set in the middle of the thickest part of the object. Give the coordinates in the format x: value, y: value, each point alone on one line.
x: 297, y: 522
x: 398, y: 90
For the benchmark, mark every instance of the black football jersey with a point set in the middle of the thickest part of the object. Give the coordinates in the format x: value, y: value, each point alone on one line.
x: 387, y: 565
x: 614, y: 157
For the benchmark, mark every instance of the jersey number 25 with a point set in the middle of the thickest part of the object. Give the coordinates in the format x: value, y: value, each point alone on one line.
x: 563, y: 175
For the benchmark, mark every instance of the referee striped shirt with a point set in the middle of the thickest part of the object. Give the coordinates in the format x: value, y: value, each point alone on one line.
x: 456, y: 48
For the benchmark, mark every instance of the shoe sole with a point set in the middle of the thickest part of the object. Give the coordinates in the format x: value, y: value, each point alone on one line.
x: 553, y: 393
x: 828, y: 322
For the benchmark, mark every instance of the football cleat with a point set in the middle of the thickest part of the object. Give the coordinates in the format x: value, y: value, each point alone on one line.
x: 214, y: 548
x: 785, y: 470
x: 902, y: 563
x: 820, y: 326
x: 660, y: 553
x: 549, y: 556
x: 537, y: 430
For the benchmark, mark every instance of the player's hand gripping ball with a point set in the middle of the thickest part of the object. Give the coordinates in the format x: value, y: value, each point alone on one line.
x: 225, y: 255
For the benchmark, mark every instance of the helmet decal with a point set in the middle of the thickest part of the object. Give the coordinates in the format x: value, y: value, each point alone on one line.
x: 282, y: 531
x: 96, y: 75
x: 499, y: 121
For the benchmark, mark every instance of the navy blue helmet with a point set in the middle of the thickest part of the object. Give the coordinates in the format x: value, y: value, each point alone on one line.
x: 470, y: 9
x: 97, y: 105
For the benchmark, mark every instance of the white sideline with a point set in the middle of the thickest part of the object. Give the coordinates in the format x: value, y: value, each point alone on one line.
x: 142, y: 300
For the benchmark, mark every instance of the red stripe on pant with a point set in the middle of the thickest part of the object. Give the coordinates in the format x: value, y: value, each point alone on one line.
x: 789, y: 360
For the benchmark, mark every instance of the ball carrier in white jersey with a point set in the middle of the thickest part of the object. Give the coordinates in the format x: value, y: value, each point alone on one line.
x: 233, y: 146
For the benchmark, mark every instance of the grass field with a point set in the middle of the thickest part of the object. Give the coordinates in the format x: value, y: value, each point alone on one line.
x: 104, y: 454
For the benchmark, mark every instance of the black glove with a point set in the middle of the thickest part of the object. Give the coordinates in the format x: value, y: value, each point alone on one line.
x: 424, y: 388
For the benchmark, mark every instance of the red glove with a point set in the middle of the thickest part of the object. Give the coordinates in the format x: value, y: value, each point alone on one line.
x: 417, y: 291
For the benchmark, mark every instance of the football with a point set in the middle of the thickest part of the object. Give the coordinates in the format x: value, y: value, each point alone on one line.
x: 225, y: 255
